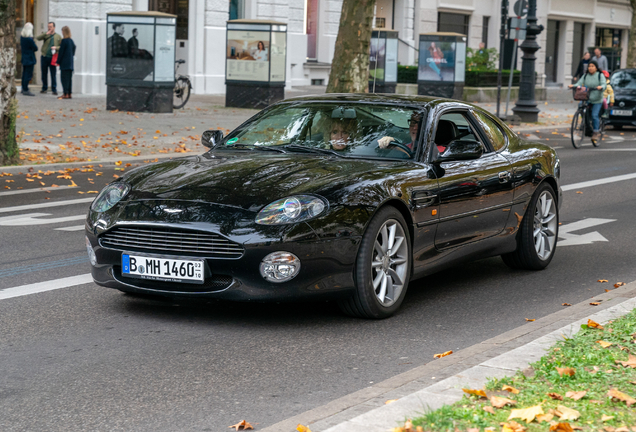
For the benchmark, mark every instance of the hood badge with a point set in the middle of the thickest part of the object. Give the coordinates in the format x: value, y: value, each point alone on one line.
x: 166, y: 209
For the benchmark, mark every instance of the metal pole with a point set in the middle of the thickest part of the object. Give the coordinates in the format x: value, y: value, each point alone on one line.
x: 502, y: 36
x: 512, y: 68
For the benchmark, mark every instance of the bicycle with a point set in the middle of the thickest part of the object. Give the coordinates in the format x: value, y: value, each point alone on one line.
x: 580, y: 125
x: 182, y: 87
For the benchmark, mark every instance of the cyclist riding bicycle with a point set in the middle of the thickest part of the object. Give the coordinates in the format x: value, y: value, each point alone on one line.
x: 595, y: 82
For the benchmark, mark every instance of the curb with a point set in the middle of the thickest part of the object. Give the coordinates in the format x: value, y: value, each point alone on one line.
x: 439, y: 382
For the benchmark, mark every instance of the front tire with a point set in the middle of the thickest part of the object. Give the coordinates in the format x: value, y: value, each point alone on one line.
x: 538, y: 232
x: 577, y: 132
x: 383, y: 267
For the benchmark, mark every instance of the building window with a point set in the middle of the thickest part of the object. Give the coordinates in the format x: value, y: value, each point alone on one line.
x: 312, y: 28
x: 484, y: 30
x: 237, y: 9
x: 174, y: 7
x: 450, y: 22
x: 608, y: 37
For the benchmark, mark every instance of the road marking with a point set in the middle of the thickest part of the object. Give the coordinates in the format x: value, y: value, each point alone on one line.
x: 617, y: 149
x: 39, y: 287
x: 26, y: 191
x: 569, y: 239
x: 72, y: 228
x: 31, y: 219
x: 14, y: 271
x: 605, y: 180
x: 46, y: 204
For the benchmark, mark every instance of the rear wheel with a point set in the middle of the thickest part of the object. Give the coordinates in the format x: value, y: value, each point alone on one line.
x: 383, y: 267
x: 181, y: 92
x: 577, y: 131
x: 538, y: 232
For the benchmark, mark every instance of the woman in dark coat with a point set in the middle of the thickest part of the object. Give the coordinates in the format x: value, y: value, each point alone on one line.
x: 28, y: 48
x: 65, y: 61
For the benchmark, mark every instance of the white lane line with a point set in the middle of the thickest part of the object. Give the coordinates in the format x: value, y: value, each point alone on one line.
x: 39, y: 287
x: 32, y: 219
x: 617, y: 149
x: 598, y: 182
x: 72, y: 228
x: 46, y: 204
x: 44, y: 189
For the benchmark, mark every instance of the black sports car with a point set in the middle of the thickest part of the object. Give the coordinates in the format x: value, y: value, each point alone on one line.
x: 346, y: 196
x: 623, y: 113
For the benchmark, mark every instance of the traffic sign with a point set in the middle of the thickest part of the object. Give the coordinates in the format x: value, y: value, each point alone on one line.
x: 521, y: 8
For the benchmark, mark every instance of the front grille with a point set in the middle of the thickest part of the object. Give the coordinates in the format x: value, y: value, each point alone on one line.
x: 173, y: 241
x: 216, y: 282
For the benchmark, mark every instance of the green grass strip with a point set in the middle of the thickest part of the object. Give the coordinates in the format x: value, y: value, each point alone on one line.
x: 596, y: 372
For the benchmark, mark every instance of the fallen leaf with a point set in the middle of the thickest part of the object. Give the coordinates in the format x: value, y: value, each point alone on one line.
x: 631, y: 362
x: 302, y: 428
x: 555, y: 396
x: 512, y: 426
x: 408, y: 426
x: 594, y: 303
x: 489, y: 409
x: 594, y: 324
x: 118, y: 163
x: 526, y: 414
x: 479, y: 393
x: 510, y: 389
x: 619, y: 284
x: 604, y: 344
x: 566, y: 371
x: 561, y: 427
x: 618, y: 395
x: 390, y: 401
x: 605, y: 418
x: 544, y: 417
x: 609, y: 429
x: 444, y: 354
x: 566, y: 413
x: 566, y: 304
x: 242, y: 424
x: 622, y: 429
x: 575, y: 395
x: 602, y: 280
x: 530, y: 319
x: 500, y: 402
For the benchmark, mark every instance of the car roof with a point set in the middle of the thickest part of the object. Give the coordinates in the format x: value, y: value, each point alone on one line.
x: 372, y: 98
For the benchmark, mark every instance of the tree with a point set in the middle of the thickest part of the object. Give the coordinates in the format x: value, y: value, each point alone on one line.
x: 9, y: 152
x: 631, y: 44
x: 350, y: 65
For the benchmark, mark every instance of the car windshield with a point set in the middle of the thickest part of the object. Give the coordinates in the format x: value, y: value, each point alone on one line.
x: 624, y: 80
x: 346, y: 130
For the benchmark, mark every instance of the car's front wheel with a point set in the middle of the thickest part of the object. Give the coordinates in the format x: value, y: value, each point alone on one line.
x: 383, y: 267
x: 538, y: 232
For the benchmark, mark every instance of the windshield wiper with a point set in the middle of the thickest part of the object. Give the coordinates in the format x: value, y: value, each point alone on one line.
x: 313, y: 150
x: 269, y: 148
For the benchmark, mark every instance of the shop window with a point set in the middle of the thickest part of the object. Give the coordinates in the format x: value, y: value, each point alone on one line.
x: 174, y: 7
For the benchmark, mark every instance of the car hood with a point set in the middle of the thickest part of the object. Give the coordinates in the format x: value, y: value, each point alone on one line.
x: 253, y: 181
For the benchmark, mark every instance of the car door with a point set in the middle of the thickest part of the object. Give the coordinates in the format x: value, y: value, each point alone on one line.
x: 475, y: 196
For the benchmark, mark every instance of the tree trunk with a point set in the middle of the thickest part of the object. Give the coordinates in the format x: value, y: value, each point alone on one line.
x: 631, y: 42
x: 350, y: 65
x: 9, y: 152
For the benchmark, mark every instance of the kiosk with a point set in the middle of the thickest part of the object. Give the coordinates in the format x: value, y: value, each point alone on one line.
x: 442, y: 65
x: 255, y: 63
x: 140, y: 56
x: 383, y: 64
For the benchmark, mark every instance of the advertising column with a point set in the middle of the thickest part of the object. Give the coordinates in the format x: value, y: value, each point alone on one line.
x: 442, y: 65
x: 255, y: 63
x: 383, y: 63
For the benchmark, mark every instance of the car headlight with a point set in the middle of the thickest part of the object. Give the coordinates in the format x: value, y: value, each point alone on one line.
x: 109, y: 196
x: 292, y: 209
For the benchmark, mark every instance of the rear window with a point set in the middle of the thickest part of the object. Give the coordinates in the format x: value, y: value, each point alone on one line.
x: 625, y: 80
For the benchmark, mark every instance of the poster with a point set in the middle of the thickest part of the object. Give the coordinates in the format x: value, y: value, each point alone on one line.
x: 277, y: 52
x: 377, y: 59
x: 248, y: 55
x: 130, y: 51
x: 460, y: 62
x: 391, y: 66
x: 164, y: 46
x: 437, y: 61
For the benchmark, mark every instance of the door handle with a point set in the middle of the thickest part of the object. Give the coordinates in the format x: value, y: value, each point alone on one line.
x: 504, y: 176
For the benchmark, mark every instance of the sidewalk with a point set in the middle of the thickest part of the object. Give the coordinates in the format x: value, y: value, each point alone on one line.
x: 82, y: 130
x: 440, y: 382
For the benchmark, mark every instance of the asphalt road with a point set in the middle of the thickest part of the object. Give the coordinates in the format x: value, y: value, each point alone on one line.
x: 86, y: 358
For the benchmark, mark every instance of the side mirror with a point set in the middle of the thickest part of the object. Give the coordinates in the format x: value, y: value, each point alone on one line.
x: 211, y: 138
x: 461, y: 150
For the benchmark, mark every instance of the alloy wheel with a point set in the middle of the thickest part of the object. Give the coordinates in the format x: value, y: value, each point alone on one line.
x: 390, y: 263
x: 545, y: 225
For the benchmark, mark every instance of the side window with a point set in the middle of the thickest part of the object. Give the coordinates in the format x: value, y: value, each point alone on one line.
x: 454, y: 126
x: 492, y: 131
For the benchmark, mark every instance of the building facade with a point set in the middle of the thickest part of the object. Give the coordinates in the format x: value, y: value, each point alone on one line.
x: 570, y: 28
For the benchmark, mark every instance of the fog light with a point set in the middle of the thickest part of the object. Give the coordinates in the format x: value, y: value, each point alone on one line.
x: 91, y: 252
x: 280, y: 267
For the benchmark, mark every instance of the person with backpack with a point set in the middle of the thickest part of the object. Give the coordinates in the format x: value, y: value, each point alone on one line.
x: 594, y: 81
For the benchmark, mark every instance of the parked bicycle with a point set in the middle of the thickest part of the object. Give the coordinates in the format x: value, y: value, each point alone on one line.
x: 182, y: 87
x: 582, y: 126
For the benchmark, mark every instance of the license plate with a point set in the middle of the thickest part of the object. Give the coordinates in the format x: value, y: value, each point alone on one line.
x: 162, y: 269
x: 622, y: 112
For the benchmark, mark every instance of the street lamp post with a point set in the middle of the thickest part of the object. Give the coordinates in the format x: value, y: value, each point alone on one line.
x: 526, y: 106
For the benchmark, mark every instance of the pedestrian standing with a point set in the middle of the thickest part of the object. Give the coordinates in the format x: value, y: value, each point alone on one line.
x: 65, y: 60
x: 580, y: 71
x: 600, y: 59
x: 51, y: 43
x: 28, y: 48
